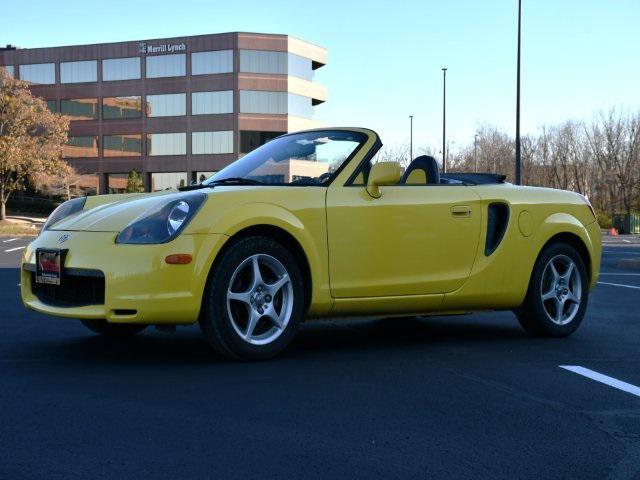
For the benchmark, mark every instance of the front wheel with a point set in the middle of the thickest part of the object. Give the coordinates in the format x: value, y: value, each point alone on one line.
x: 254, y: 300
x: 558, y: 293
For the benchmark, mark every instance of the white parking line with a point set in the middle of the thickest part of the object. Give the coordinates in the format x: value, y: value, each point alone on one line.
x: 10, y: 240
x: 599, y: 377
x: 13, y: 249
x: 619, y: 285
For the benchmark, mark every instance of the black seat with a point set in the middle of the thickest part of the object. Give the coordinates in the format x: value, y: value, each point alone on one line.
x: 423, y: 170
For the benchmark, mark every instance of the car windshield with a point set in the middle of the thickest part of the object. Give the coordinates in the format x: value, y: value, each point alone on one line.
x: 307, y: 158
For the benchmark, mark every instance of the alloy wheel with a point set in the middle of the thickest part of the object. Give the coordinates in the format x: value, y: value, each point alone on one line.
x: 260, y: 299
x: 561, y: 289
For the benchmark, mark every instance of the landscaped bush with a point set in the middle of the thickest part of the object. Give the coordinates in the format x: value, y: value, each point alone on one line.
x: 39, y: 205
x: 604, y: 219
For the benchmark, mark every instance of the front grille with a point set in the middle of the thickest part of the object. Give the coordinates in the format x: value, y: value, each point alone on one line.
x: 78, y: 288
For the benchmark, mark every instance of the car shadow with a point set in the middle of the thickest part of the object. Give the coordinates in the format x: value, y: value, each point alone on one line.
x: 402, y: 332
x: 315, y: 338
x: 148, y: 347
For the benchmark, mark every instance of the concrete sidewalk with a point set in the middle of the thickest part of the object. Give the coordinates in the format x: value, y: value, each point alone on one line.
x: 26, y: 219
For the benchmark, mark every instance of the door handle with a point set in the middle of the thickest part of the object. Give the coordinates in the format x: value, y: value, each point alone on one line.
x: 461, y: 211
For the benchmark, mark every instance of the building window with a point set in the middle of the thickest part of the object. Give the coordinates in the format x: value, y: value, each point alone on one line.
x: 170, y: 105
x: 282, y: 63
x: 166, y: 144
x: 204, y: 103
x: 164, y: 181
x: 80, y: 108
x: 87, y: 185
x: 52, y: 105
x: 250, y: 140
x: 275, y: 103
x: 121, y: 107
x: 38, y: 73
x: 127, y: 145
x: 300, y: 106
x: 117, y: 182
x: 81, y: 147
x: 79, y: 72
x: 254, y: 101
x: 166, y: 66
x: 120, y: 69
x: 8, y: 69
x: 262, y: 61
x: 300, y: 67
x: 212, y: 142
x: 203, y: 63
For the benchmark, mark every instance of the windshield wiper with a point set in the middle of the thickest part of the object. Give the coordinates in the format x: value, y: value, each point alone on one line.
x: 222, y: 181
x: 235, y: 181
x: 195, y: 186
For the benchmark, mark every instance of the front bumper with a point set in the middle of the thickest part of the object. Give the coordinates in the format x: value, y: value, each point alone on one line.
x: 139, y: 286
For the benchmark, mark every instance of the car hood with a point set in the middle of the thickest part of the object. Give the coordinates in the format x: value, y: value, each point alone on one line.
x: 112, y: 213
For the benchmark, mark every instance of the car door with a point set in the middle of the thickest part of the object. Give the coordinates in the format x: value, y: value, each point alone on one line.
x: 413, y: 240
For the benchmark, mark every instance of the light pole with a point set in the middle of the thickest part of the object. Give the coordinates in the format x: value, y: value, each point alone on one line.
x: 475, y: 153
x: 518, y: 99
x: 444, y: 119
x: 410, y: 137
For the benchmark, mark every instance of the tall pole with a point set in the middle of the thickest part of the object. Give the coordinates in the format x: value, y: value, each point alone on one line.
x: 518, y: 99
x: 410, y: 137
x: 444, y: 119
x: 475, y: 153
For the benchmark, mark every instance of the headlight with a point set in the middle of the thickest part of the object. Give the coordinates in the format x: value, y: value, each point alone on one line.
x: 162, y: 223
x: 64, y: 210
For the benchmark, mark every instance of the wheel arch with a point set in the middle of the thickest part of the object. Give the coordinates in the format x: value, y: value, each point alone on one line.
x: 283, y: 237
x: 576, y: 242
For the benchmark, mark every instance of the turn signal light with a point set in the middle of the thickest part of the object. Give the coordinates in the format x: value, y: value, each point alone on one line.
x: 178, y: 259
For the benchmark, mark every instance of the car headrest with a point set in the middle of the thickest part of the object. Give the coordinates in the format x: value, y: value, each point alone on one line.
x: 422, y: 170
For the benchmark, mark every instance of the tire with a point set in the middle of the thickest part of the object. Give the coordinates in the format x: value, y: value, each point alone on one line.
x: 247, y: 319
x: 565, y: 289
x: 113, y: 330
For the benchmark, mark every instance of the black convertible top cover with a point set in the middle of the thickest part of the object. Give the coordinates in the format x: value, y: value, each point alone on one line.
x: 474, y: 178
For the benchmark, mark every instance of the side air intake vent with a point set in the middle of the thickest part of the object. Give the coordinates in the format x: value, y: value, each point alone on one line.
x: 497, y: 221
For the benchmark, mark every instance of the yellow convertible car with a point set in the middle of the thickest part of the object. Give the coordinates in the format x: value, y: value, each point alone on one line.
x: 310, y: 225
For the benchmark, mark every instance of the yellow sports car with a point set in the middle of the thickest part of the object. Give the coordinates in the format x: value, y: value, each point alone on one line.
x: 309, y: 225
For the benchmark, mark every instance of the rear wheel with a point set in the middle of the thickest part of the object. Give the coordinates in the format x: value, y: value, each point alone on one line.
x: 113, y: 330
x: 558, y: 293
x: 254, y: 300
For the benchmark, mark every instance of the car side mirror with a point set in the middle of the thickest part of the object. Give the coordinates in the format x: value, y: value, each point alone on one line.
x: 383, y: 173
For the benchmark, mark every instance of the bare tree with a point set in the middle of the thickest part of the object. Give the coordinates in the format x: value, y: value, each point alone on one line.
x: 614, y: 141
x: 600, y: 159
x: 393, y: 153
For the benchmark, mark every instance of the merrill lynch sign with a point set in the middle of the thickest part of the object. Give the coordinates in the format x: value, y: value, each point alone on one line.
x: 164, y: 48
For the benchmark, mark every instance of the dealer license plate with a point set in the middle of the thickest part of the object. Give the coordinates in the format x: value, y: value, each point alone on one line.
x: 48, y: 266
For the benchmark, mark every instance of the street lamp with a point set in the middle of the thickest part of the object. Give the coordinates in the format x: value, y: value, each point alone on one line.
x: 518, y: 99
x: 444, y: 118
x: 475, y: 153
x: 410, y: 137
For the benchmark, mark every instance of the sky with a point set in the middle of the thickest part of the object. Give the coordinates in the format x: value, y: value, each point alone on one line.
x: 579, y: 57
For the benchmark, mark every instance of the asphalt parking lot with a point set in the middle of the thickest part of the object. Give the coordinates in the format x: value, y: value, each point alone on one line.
x: 11, y: 250
x: 458, y: 397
